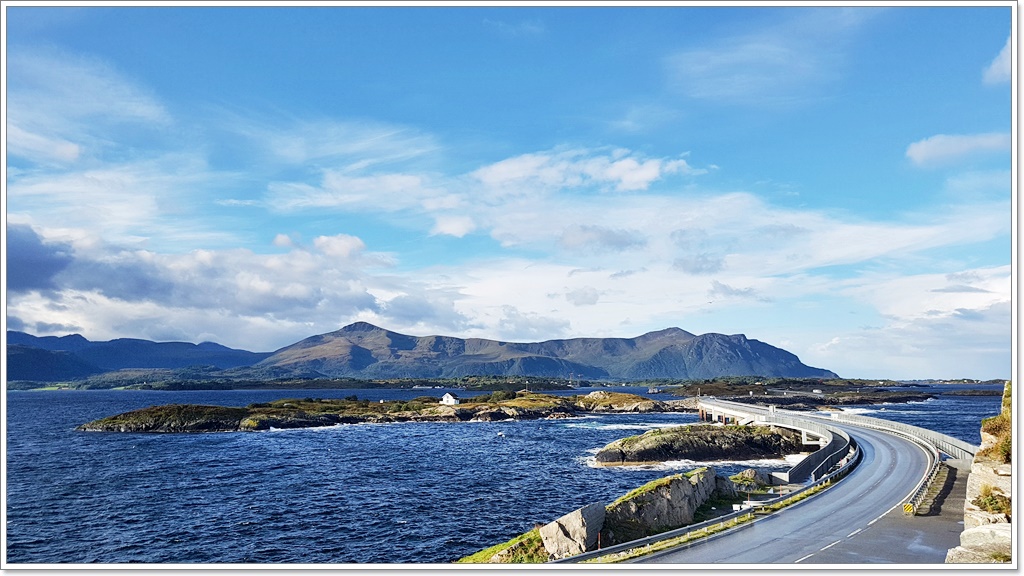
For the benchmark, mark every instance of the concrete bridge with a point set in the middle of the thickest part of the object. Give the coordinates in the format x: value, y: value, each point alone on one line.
x: 833, y: 444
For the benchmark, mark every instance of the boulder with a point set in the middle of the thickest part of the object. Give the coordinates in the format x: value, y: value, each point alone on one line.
x: 574, y: 533
x: 755, y: 476
x: 990, y: 538
x: 961, y: 555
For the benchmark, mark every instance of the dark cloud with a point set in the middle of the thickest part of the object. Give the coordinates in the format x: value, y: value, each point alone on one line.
x: 56, y: 328
x: 123, y: 279
x: 31, y: 263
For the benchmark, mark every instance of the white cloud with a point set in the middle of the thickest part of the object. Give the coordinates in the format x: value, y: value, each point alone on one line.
x: 329, y: 143
x: 379, y: 192
x: 457, y: 226
x: 786, y: 62
x: 585, y: 296
x: 543, y: 172
x: 40, y: 148
x: 999, y: 70
x: 161, y: 198
x: 946, y: 148
x: 341, y: 246
x: 63, y: 107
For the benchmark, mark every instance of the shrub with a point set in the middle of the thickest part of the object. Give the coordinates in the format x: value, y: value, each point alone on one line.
x: 994, y: 503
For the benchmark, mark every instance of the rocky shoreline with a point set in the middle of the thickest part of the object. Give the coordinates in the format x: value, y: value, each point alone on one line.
x: 702, y: 443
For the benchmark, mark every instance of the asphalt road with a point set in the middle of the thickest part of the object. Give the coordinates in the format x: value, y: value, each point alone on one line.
x: 842, y: 525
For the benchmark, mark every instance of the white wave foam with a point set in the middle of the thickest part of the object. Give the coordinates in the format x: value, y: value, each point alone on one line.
x: 633, y: 426
x: 786, y: 462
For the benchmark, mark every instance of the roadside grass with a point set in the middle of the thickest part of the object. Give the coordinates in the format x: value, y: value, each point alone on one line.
x: 526, y: 548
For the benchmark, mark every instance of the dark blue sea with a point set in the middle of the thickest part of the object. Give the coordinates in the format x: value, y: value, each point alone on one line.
x: 365, y: 493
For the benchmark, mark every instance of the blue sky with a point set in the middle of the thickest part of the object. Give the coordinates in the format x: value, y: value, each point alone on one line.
x: 833, y: 181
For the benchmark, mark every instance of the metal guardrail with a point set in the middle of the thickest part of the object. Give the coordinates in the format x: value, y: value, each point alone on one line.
x: 721, y: 520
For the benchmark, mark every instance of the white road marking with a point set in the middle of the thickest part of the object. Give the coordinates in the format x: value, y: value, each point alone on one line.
x: 804, y: 558
x: 831, y: 545
x: 855, y: 532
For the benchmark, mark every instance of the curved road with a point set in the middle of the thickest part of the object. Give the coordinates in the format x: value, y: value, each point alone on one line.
x: 835, y: 526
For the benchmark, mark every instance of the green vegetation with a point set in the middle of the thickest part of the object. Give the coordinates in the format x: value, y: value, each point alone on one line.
x: 1001, y: 427
x: 526, y: 548
x: 653, y: 485
x: 993, y: 501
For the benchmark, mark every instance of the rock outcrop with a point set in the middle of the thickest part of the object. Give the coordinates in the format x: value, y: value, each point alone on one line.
x: 574, y: 533
x: 658, y: 506
x: 987, y: 537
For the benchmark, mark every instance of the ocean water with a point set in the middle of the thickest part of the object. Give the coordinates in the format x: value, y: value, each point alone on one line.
x: 365, y: 493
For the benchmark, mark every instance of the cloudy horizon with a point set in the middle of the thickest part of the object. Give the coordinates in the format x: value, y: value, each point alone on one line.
x: 832, y: 181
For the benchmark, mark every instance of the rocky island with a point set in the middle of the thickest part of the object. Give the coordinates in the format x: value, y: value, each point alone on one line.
x: 701, y: 442
x: 313, y: 412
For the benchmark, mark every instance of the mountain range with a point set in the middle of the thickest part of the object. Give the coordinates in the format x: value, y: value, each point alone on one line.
x: 362, y: 350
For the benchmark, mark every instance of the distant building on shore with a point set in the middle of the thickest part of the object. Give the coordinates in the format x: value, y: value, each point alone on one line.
x: 449, y: 399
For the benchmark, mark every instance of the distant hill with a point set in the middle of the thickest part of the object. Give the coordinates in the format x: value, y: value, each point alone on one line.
x: 117, y: 354
x: 366, y: 351
x: 39, y: 365
x: 363, y: 350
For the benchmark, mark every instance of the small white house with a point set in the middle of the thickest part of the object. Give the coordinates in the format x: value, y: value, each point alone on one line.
x: 449, y: 399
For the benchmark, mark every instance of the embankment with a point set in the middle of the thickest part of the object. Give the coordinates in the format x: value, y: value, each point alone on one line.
x: 987, y: 535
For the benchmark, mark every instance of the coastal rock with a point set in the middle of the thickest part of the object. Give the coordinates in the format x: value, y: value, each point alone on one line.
x: 658, y: 506
x: 601, y: 401
x: 574, y: 533
x: 490, y: 416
